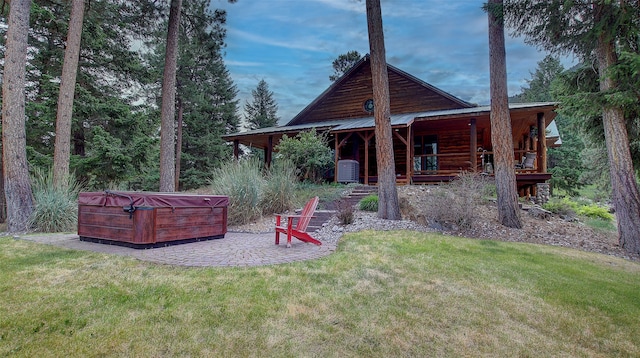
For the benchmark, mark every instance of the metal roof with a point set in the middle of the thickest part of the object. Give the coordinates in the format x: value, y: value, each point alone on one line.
x: 397, y: 120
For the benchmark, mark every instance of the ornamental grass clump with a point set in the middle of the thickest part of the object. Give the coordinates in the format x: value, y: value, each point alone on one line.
x: 369, y: 203
x: 280, y: 187
x: 243, y: 183
x: 55, y: 206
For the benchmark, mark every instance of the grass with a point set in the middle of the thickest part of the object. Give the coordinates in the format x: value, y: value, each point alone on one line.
x: 380, y: 294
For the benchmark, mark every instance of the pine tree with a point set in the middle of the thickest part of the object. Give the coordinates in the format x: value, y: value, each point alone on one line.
x: 605, y: 31
x: 62, y: 148
x: 501, y: 132
x: 112, y: 140
x: 261, y: 111
x: 168, y: 108
x: 344, y: 63
x: 14, y: 157
x: 564, y: 162
x: 206, y: 93
x: 388, y: 205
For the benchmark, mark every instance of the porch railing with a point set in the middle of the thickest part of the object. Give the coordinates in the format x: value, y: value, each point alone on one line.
x: 428, y: 164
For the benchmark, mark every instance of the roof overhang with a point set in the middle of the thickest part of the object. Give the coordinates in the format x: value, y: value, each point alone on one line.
x: 259, y: 138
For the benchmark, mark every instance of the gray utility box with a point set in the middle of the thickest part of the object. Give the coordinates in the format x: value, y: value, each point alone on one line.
x: 348, y: 171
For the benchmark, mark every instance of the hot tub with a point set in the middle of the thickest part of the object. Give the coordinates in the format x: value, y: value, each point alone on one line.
x: 142, y: 220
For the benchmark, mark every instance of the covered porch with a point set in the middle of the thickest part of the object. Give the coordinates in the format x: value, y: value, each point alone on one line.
x: 429, y: 147
x: 436, y: 147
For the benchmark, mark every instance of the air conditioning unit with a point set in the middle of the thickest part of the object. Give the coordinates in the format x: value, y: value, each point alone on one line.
x: 348, y: 171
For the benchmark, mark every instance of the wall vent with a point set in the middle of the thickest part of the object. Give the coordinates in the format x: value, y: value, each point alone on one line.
x: 348, y: 171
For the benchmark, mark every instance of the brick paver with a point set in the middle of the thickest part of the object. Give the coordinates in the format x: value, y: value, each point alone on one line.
x: 235, y: 249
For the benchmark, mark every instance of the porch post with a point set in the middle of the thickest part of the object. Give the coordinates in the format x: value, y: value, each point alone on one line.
x: 366, y: 158
x: 268, y: 152
x: 473, y: 144
x: 366, y: 137
x: 335, y: 158
x: 411, y: 148
x: 236, y: 148
x: 409, y: 166
x: 542, y: 144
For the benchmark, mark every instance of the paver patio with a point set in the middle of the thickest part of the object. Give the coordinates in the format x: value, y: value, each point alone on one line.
x: 235, y: 249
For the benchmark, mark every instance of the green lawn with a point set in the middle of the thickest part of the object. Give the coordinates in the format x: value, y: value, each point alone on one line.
x: 381, y: 294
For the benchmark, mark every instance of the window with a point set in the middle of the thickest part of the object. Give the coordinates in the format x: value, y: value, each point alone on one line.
x: 424, y: 149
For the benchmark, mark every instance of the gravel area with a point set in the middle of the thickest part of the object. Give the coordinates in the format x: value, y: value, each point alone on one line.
x: 539, y: 228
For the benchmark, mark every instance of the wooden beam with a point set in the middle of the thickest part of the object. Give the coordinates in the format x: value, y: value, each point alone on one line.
x: 397, y: 134
x: 268, y: 153
x: 408, y: 144
x: 335, y: 158
x: 344, y: 141
x: 473, y: 145
x: 542, y: 144
x: 236, y: 148
x: 367, y: 137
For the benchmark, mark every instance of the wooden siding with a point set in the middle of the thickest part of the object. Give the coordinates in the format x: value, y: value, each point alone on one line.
x: 346, y: 100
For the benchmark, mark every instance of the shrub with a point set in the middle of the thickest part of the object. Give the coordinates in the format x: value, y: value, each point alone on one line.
x: 564, y: 206
x: 242, y: 181
x: 345, y: 212
x: 280, y: 187
x: 56, y: 207
x: 369, y: 203
x: 454, y: 205
x: 309, y: 152
x: 595, y: 211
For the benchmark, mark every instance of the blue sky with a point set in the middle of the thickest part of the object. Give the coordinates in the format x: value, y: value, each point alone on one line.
x: 292, y: 43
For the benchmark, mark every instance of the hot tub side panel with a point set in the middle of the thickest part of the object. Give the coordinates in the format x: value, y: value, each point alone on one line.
x: 112, y: 223
x: 174, y: 224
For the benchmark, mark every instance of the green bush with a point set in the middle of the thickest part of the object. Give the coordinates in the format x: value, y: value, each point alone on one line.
x: 310, y: 153
x: 56, y: 207
x: 242, y: 181
x: 280, y: 188
x: 562, y: 206
x: 566, y: 206
x: 369, y: 203
x: 595, y: 211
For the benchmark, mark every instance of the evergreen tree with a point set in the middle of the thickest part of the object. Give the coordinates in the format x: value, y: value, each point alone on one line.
x: 206, y: 93
x: 168, y: 107
x: 61, y: 157
x: 565, y: 162
x: 261, y: 112
x: 605, y: 31
x: 539, y: 86
x: 343, y: 63
x: 110, y: 78
x: 501, y: 132
x: 388, y: 205
x: 17, y: 186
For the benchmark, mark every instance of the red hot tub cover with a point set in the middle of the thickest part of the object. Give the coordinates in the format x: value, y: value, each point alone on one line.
x: 152, y: 200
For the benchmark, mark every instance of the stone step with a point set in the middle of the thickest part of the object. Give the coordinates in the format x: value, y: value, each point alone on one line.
x: 329, y: 208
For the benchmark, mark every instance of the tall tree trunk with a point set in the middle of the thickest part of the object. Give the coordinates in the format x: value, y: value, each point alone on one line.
x: 501, y: 132
x: 62, y: 147
x: 179, y: 142
x: 3, y: 201
x: 626, y: 198
x: 388, y: 206
x: 14, y: 143
x: 168, y: 110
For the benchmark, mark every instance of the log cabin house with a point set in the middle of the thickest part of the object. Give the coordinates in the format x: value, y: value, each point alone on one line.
x: 436, y: 135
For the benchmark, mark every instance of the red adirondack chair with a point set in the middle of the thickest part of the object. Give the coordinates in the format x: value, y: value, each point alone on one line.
x: 300, y: 229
